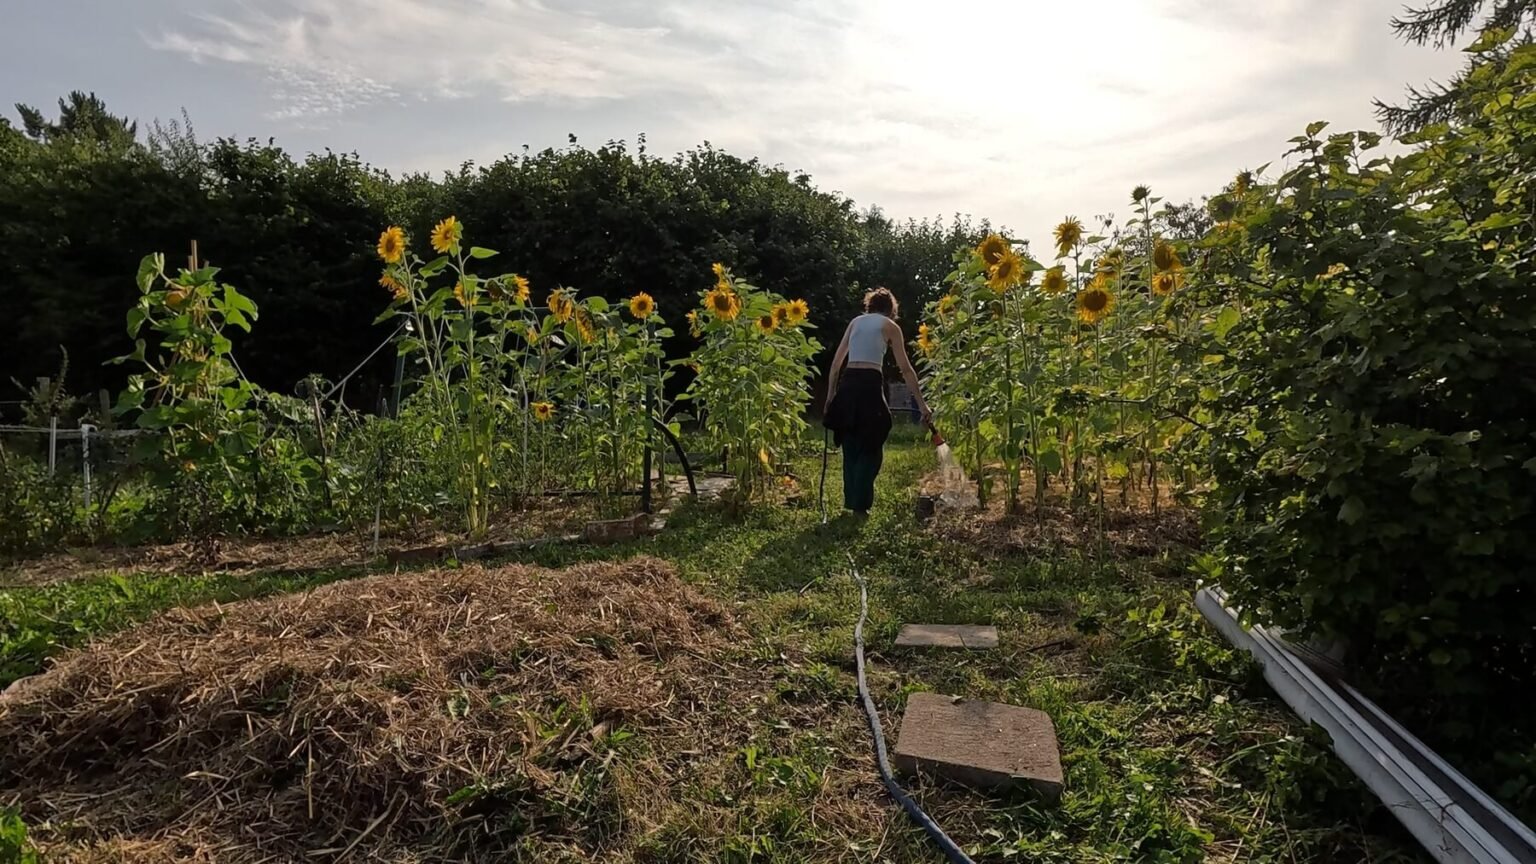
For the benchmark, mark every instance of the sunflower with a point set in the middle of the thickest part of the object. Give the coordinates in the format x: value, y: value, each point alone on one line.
x: 693, y: 322
x: 1167, y: 282
x: 533, y: 335
x: 585, y: 328
x: 767, y: 324
x: 642, y: 306
x: 799, y: 310
x: 520, y: 288
x: 1094, y: 303
x: 1241, y: 182
x: 465, y: 298
x: 543, y: 411
x: 1055, y: 281
x: 946, y: 305
x: 762, y: 456
x: 1006, y: 273
x: 722, y: 277
x: 394, y: 286
x: 723, y: 303
x: 445, y: 237
x: 1165, y: 257
x: 1140, y: 193
x: 1068, y: 234
x: 392, y: 245
x: 1110, y: 263
x: 925, y: 342
x: 561, y: 306
x: 781, y: 315
x: 993, y: 249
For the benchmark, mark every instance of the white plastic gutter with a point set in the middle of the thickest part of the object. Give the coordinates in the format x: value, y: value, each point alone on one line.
x: 1452, y: 818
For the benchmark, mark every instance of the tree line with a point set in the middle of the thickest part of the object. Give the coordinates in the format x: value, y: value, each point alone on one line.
x: 85, y: 195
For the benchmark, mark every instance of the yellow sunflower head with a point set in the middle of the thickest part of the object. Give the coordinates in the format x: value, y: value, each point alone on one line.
x: 992, y: 250
x: 1241, y: 183
x: 925, y: 341
x: 465, y: 297
x: 533, y: 335
x: 799, y: 310
x: 722, y: 303
x: 1164, y: 256
x: 1006, y: 273
x: 392, y: 245
x: 1068, y: 234
x: 1094, y: 303
x: 642, y: 306
x: 767, y: 324
x: 561, y: 306
x: 1055, y: 281
x: 520, y: 288
x: 781, y: 315
x: 693, y: 322
x: 543, y: 411
x: 445, y: 237
x: 585, y: 328
x: 946, y: 305
x: 1167, y: 282
x: 722, y: 277
x: 394, y: 286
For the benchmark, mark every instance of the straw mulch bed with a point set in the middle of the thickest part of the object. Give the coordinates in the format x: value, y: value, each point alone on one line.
x: 446, y: 715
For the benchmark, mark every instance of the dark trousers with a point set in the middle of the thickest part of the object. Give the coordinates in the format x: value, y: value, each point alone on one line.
x: 861, y: 465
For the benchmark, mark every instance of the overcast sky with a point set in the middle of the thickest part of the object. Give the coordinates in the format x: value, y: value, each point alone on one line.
x: 1017, y: 110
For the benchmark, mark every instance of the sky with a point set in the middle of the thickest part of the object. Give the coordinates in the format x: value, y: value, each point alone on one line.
x: 1015, y: 110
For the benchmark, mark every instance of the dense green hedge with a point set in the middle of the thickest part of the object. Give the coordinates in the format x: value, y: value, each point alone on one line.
x: 1372, y: 413
x: 83, y: 203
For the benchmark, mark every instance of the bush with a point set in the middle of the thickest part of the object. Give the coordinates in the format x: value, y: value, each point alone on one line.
x: 37, y: 512
x: 1374, y: 404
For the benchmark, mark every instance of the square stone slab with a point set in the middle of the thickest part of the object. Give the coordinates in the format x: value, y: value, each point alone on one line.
x: 947, y: 636
x: 982, y: 744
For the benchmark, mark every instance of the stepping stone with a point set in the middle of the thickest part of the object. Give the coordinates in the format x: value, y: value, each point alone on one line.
x: 986, y: 745
x: 947, y: 636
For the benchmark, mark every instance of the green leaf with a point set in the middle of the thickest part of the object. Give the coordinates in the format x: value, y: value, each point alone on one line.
x: 1352, y: 510
x: 149, y: 266
x: 1315, y: 127
x: 1226, y: 319
x: 435, y: 266
x: 481, y: 252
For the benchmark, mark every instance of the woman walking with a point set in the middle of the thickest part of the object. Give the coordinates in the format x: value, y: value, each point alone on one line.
x: 856, y: 410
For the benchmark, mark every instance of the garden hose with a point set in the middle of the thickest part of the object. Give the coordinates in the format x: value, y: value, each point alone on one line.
x: 951, y: 851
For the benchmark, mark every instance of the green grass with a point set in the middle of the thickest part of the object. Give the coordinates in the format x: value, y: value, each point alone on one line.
x: 1174, y: 749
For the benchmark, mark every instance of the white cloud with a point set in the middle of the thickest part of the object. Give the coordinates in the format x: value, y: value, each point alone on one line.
x: 1018, y: 111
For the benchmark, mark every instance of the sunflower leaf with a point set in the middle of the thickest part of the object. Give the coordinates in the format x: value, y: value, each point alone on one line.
x: 482, y: 252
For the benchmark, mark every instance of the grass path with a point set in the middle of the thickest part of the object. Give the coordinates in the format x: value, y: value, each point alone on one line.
x: 1174, y: 749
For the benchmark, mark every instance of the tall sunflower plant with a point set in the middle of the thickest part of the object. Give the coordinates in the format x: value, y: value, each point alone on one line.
x: 752, y: 373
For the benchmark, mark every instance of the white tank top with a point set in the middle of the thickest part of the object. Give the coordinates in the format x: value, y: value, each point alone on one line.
x: 866, y: 339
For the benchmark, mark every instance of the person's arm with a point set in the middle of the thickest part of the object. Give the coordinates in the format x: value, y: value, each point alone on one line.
x: 899, y: 351
x: 837, y: 365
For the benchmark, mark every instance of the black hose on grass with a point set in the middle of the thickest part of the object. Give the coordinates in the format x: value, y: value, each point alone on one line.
x: 951, y: 851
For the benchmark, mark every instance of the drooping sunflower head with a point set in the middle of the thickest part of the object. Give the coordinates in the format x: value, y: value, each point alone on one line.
x: 533, y: 335
x: 722, y: 277
x: 992, y: 250
x: 1167, y: 282
x: 1140, y: 193
x: 1110, y: 263
x: 767, y: 323
x: 392, y: 245
x: 1007, y: 272
x: 799, y: 310
x: 561, y: 306
x: 693, y: 322
x: 642, y: 306
x: 1068, y: 234
x: 1242, y: 183
x: 1094, y: 303
x: 543, y: 411
x: 946, y: 306
x: 1164, y: 256
x: 722, y: 303
x: 1055, y: 281
x: 585, y: 328
x: 445, y: 237
x: 396, y: 289
x: 520, y: 288
x: 465, y: 296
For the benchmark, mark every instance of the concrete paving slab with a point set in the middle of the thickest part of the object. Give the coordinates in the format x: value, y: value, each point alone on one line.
x: 986, y: 745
